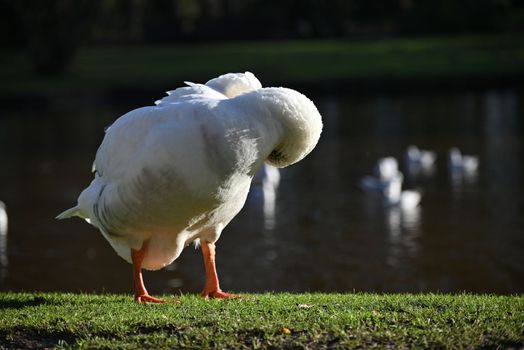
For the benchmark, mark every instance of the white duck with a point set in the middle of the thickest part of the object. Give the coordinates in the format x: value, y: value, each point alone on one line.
x: 170, y: 174
x: 462, y: 162
x: 393, y: 194
x: 386, y: 168
x: 388, y: 181
x: 418, y: 160
x: 385, y: 171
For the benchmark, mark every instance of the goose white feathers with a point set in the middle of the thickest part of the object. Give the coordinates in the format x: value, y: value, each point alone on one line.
x: 169, y: 174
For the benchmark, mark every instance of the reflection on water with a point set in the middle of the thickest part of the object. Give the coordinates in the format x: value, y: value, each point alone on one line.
x: 270, y: 182
x: 4, y: 261
x: 308, y: 227
x: 403, y: 229
x: 264, y: 194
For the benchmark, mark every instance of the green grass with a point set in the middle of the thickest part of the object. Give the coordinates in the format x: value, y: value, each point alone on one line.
x: 289, y: 62
x: 263, y: 321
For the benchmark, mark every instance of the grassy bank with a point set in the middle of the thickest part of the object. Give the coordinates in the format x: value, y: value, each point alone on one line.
x: 300, y: 63
x: 263, y: 321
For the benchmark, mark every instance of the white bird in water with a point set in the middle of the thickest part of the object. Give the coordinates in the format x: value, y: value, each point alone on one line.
x: 419, y: 160
x: 171, y: 174
x: 462, y: 162
x: 409, y: 199
x: 388, y: 182
x: 373, y: 184
x: 386, y: 168
x: 385, y: 171
x: 393, y: 194
x: 462, y: 168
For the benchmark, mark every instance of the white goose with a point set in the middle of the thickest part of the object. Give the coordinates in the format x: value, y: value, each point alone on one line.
x: 170, y: 174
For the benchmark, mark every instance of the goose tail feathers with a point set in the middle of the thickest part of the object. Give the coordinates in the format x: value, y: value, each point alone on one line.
x: 75, y: 211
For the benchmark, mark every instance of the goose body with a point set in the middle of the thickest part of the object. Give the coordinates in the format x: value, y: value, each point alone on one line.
x: 180, y: 171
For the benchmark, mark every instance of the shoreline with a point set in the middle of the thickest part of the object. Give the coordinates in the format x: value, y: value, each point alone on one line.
x: 121, y: 95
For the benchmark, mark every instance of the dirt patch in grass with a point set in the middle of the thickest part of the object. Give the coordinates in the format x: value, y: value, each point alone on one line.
x: 32, y: 339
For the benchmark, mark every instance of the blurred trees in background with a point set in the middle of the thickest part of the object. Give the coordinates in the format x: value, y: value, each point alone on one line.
x: 52, y: 30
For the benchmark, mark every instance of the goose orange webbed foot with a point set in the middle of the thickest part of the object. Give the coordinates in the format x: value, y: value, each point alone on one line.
x: 218, y: 294
x: 145, y: 299
x: 212, y: 285
x: 141, y: 294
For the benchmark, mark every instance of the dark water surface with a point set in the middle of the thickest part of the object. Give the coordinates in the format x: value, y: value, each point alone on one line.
x: 322, y: 233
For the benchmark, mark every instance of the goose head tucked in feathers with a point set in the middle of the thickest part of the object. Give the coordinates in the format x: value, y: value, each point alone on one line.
x: 297, y: 120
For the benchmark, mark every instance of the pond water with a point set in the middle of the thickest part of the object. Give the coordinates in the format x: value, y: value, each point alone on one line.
x: 318, y: 231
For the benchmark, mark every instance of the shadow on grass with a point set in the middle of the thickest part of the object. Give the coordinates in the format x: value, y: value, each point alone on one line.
x: 34, y: 339
x: 19, y: 304
x: 38, y: 339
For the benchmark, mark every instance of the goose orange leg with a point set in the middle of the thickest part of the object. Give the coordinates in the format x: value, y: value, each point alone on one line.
x: 141, y: 294
x: 212, y: 286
